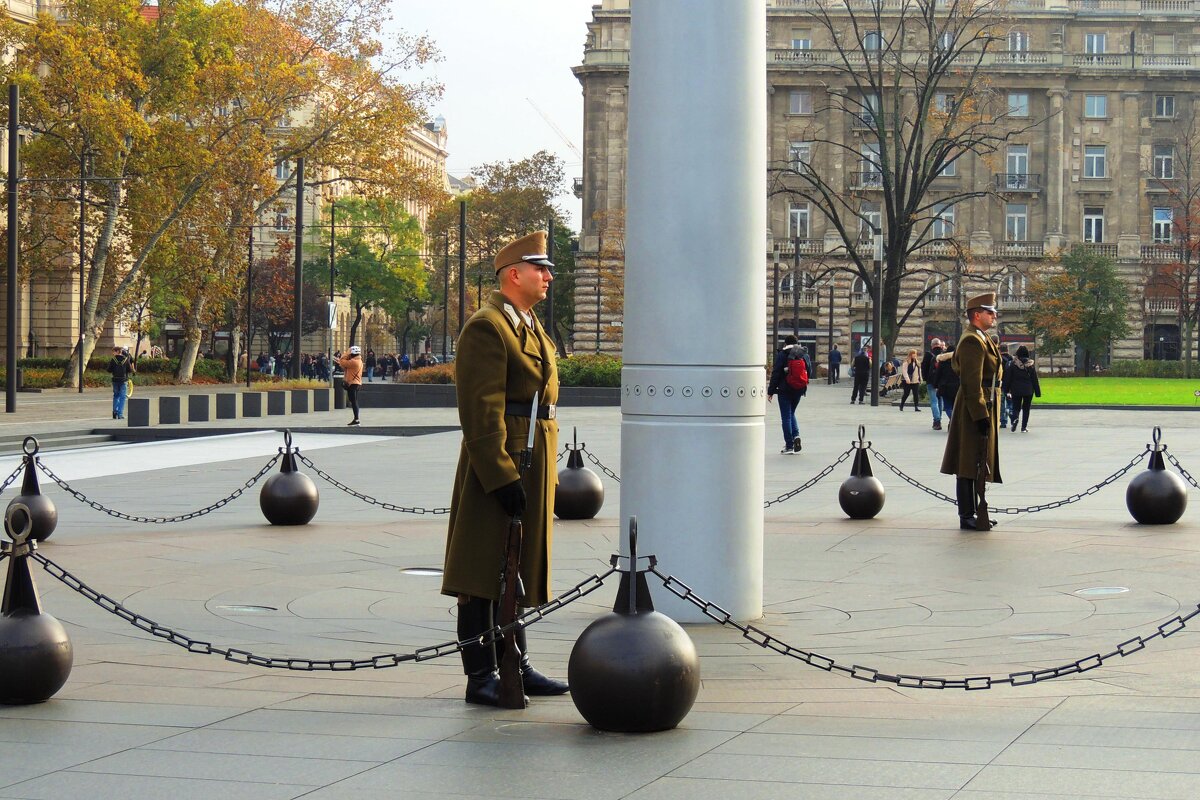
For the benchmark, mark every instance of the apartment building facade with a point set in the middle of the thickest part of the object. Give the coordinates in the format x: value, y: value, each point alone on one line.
x: 1101, y: 94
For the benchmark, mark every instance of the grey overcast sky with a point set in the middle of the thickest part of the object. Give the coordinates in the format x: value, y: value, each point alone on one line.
x: 495, y: 55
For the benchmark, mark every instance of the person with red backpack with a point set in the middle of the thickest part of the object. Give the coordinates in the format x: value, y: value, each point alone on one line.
x: 789, y: 380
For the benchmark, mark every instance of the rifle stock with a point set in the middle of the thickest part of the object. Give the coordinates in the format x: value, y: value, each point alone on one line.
x: 512, y: 691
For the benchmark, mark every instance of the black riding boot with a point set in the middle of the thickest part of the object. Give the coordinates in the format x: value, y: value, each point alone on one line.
x: 965, y: 493
x: 536, y: 684
x: 479, y: 661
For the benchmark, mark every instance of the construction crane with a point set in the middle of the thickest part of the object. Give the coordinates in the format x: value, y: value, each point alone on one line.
x: 556, y: 129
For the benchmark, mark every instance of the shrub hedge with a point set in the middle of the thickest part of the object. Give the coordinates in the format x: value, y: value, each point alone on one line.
x: 1145, y: 369
x: 590, y: 369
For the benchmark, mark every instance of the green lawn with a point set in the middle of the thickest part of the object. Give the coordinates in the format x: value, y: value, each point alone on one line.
x: 1120, y: 391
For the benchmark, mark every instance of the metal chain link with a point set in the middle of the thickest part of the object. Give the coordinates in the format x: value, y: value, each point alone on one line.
x: 584, y: 587
x: 366, y: 498
x: 596, y: 461
x: 80, y: 496
x: 1175, y: 463
x: 861, y: 673
x: 8, y: 481
x: 1075, y: 498
x: 813, y: 480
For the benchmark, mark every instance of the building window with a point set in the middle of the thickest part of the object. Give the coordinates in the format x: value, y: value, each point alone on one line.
x: 799, y: 155
x: 872, y: 41
x: 869, y: 165
x: 943, y: 222
x: 872, y: 221
x: 800, y: 103
x: 945, y: 102
x: 798, y: 221
x: 949, y: 170
x: 1093, y: 224
x: 1164, y: 161
x: 1016, y: 222
x: 1163, y: 225
x: 1016, y: 162
x: 944, y: 42
x: 1015, y: 286
x: 1095, y: 161
x: 1164, y: 106
x: 1018, y: 41
x: 1018, y: 104
x: 282, y: 223
x: 1094, y: 43
x: 283, y: 171
x: 801, y: 38
x: 1095, y: 106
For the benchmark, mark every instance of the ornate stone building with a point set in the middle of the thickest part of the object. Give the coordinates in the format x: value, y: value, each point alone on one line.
x: 1104, y: 92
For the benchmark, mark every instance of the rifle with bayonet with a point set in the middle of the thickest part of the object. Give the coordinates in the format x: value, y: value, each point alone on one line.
x: 512, y: 691
x: 983, y: 464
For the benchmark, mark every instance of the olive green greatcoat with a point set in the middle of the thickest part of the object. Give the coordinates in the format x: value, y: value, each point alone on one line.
x: 500, y: 362
x: 977, y: 361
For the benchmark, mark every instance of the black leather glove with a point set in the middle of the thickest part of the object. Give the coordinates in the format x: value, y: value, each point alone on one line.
x: 512, y: 498
x: 984, y: 425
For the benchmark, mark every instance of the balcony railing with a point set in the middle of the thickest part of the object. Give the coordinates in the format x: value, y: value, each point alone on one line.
x: 1017, y: 181
x: 808, y: 299
x: 1134, y: 6
x: 1098, y: 249
x: 808, y: 247
x: 1006, y: 59
x: 1162, y: 253
x: 1019, y: 249
x: 1162, y: 305
x: 1014, y: 302
x: 866, y: 180
x: 936, y: 250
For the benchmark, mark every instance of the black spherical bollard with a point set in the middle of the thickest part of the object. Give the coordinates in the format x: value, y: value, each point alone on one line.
x: 289, y: 497
x: 40, y: 507
x: 634, y: 670
x: 1156, y: 496
x: 861, y: 495
x: 35, y: 652
x: 580, y: 492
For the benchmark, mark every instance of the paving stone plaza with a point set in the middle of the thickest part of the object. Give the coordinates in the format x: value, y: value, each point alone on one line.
x: 906, y: 593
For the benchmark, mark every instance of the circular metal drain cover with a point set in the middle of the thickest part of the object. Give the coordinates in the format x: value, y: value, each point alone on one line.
x: 1039, y: 637
x: 248, y: 609
x: 1101, y: 591
x: 425, y: 572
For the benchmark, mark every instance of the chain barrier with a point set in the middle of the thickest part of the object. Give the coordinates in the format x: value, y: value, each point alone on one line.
x: 1187, y: 476
x: 584, y: 587
x: 861, y: 673
x: 813, y: 481
x: 366, y: 498
x: 596, y: 461
x: 1075, y: 498
x: 81, y: 497
x: 8, y: 481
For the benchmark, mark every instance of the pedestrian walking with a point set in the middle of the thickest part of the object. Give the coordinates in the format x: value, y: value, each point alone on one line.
x: 789, y: 380
x: 972, y: 450
x: 910, y: 380
x: 121, y: 367
x: 835, y: 364
x: 860, y: 370
x: 945, y: 381
x: 928, y: 368
x: 352, y: 372
x: 370, y: 363
x: 1020, y: 387
x: 504, y: 360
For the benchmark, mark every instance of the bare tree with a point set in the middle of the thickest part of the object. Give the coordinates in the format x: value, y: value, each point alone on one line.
x: 910, y: 76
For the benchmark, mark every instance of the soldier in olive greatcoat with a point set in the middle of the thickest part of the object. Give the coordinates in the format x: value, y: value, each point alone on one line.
x: 972, y: 445
x: 504, y: 356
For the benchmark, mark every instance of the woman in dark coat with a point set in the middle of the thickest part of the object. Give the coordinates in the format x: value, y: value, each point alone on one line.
x: 1021, y: 385
x: 945, y: 381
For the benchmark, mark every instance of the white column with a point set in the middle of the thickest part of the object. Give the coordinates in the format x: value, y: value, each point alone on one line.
x: 693, y: 386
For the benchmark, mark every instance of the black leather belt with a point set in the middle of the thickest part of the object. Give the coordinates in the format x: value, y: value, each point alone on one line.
x: 518, y: 409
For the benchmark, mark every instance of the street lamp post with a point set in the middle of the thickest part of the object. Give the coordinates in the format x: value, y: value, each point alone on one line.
x: 84, y: 154
x: 599, y: 257
x: 829, y: 342
x: 796, y: 290
x: 10, y: 357
x: 877, y: 319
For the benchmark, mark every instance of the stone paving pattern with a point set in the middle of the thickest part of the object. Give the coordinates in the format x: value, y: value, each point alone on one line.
x: 907, y: 592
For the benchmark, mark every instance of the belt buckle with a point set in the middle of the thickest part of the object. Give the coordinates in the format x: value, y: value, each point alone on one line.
x: 551, y: 411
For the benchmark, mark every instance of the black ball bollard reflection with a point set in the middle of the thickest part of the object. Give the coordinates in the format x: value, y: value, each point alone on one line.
x: 41, y: 508
x: 634, y: 670
x: 861, y: 495
x: 580, y: 492
x: 289, y: 497
x: 35, y: 652
x: 1156, y: 496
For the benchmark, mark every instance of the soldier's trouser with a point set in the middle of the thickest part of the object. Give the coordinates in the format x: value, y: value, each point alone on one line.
x: 965, y: 492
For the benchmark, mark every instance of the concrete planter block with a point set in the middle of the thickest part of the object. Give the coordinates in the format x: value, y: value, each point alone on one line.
x: 169, y: 410
x: 322, y: 399
x: 227, y: 405
x: 279, y: 402
x: 199, y: 407
x: 301, y: 401
x: 254, y: 404
x: 339, y: 393
x: 142, y: 412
